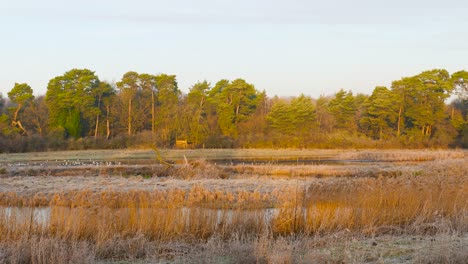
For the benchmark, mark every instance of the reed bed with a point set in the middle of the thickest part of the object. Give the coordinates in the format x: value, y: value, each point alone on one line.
x: 392, y: 205
x: 431, y: 201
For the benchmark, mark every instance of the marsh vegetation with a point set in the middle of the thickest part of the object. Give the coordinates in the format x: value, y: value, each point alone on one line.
x: 399, y: 206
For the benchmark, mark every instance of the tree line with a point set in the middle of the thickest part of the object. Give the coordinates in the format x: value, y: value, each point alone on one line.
x: 80, y: 111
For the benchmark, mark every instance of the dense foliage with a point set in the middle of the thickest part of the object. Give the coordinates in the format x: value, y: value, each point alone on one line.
x: 80, y: 111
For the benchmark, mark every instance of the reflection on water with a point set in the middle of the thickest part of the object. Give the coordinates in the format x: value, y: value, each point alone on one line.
x: 40, y: 215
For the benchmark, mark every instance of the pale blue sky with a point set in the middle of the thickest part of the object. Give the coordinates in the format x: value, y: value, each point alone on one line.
x: 283, y: 47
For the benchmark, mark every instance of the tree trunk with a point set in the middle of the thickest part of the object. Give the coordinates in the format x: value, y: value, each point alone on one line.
x: 97, y: 118
x: 108, y: 132
x: 428, y: 130
x: 152, y: 113
x: 199, y: 112
x: 130, y: 117
x: 15, y: 122
x: 15, y: 116
x: 399, y: 121
x: 97, y: 126
x: 18, y: 123
x: 202, y: 102
x: 237, y: 113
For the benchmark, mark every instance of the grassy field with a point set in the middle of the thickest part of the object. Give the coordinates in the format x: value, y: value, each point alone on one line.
x: 392, y: 207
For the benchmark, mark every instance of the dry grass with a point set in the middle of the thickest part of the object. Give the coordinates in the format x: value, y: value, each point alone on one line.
x: 337, y: 248
x: 331, y: 220
x: 429, y: 202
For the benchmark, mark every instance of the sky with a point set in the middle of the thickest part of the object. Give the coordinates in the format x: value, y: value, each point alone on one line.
x: 283, y: 47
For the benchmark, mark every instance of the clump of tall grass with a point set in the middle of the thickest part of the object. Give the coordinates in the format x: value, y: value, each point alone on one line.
x: 198, y: 169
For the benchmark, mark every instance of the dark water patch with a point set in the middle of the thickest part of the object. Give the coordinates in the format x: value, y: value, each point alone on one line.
x: 218, y: 160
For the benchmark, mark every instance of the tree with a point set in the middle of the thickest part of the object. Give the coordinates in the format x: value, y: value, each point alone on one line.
x: 37, y: 114
x: 148, y: 84
x: 168, y: 122
x: 456, y: 119
x: 108, y: 102
x: 213, y: 105
x: 254, y: 130
x: 381, y: 112
x: 460, y: 82
x: 343, y: 109
x: 422, y: 99
x: 401, y: 89
x: 70, y: 99
x: 280, y: 117
x: 235, y: 101
x: 294, y: 119
x: 20, y: 94
x: 129, y: 86
x: 196, y: 100
x: 5, y: 128
x: 325, y: 120
x: 303, y: 114
x: 359, y: 100
x: 102, y: 91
